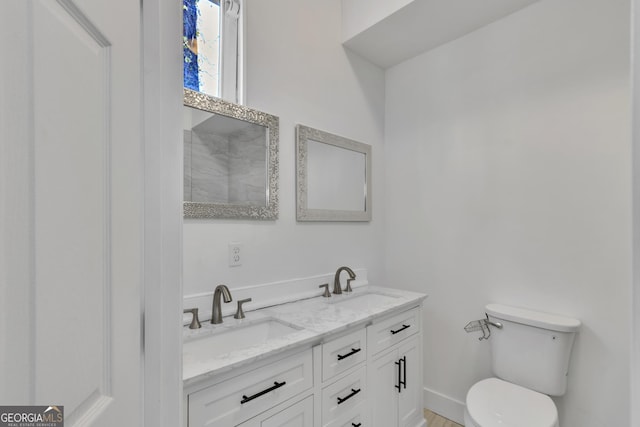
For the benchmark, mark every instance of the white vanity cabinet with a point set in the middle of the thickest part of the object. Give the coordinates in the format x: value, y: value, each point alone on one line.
x: 395, y: 371
x: 367, y: 373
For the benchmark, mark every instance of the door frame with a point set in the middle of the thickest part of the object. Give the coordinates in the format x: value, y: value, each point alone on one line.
x: 635, y: 184
x: 162, y: 293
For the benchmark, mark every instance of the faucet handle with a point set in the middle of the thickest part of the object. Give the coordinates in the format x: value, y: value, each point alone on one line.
x: 326, y: 293
x: 195, y: 322
x: 348, y: 288
x: 240, y: 313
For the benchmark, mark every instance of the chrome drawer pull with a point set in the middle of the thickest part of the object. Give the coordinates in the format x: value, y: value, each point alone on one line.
x: 344, y: 399
x: 276, y: 385
x: 401, y: 329
x: 353, y: 351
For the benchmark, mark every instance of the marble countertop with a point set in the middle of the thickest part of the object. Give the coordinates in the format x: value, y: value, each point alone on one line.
x: 314, y: 320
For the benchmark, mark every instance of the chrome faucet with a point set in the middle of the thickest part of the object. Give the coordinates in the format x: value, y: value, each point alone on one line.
x: 216, y: 310
x: 337, y: 289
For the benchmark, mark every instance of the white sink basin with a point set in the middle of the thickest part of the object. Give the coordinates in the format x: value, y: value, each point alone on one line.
x: 237, y: 337
x: 362, y: 301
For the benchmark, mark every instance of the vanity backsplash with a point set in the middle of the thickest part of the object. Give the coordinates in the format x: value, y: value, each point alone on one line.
x: 267, y: 294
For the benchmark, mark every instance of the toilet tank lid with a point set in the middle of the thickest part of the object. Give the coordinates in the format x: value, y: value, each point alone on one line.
x: 549, y: 321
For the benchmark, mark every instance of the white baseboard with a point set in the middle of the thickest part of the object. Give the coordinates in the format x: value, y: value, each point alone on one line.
x: 444, y: 405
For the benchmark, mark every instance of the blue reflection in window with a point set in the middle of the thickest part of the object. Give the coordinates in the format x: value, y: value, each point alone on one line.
x: 190, y: 44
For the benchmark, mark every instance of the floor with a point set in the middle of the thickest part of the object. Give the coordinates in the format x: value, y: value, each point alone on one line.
x: 435, y: 420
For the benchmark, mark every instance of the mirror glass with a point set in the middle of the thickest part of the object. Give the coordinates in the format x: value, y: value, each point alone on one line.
x: 225, y: 159
x: 230, y: 160
x: 333, y: 177
x: 322, y: 184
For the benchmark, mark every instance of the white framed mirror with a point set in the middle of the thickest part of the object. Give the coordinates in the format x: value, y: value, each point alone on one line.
x: 333, y: 177
x: 230, y: 160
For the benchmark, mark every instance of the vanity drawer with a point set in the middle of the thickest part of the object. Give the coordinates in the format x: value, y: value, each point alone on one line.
x: 297, y: 415
x: 390, y: 331
x: 356, y: 418
x: 344, y: 397
x: 238, y: 399
x: 343, y: 353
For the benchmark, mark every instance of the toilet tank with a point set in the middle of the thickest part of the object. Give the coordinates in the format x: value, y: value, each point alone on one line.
x: 532, y: 349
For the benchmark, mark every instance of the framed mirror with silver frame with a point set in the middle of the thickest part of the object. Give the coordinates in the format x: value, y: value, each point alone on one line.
x: 333, y: 177
x: 230, y: 160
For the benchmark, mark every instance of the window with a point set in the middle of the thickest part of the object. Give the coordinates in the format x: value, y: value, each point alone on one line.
x: 211, y: 47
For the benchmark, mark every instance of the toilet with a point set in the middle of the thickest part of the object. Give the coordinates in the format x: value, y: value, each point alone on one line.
x: 530, y: 354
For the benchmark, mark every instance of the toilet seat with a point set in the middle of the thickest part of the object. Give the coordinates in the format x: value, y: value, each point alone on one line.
x: 497, y: 403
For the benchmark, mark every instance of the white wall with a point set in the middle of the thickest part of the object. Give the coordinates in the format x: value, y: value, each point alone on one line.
x: 298, y: 70
x: 358, y: 15
x: 508, y: 165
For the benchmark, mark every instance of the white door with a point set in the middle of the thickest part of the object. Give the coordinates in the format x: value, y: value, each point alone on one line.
x: 71, y: 208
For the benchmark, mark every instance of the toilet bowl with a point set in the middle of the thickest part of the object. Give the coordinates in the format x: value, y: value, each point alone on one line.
x: 497, y: 403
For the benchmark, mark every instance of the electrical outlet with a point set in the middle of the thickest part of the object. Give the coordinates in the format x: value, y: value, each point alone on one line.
x: 235, y: 254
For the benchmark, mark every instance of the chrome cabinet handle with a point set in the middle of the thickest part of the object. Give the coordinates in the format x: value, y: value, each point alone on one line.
x: 344, y: 399
x: 275, y: 386
x: 351, y: 353
x: 400, y: 330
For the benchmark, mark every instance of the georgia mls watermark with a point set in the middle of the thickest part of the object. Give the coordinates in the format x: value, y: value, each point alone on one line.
x: 31, y: 416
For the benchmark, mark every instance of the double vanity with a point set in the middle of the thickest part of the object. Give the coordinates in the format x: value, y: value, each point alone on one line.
x: 351, y: 360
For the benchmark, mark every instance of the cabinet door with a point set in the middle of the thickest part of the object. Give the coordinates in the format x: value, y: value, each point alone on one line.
x: 383, y: 392
x: 410, y: 396
x: 297, y: 415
